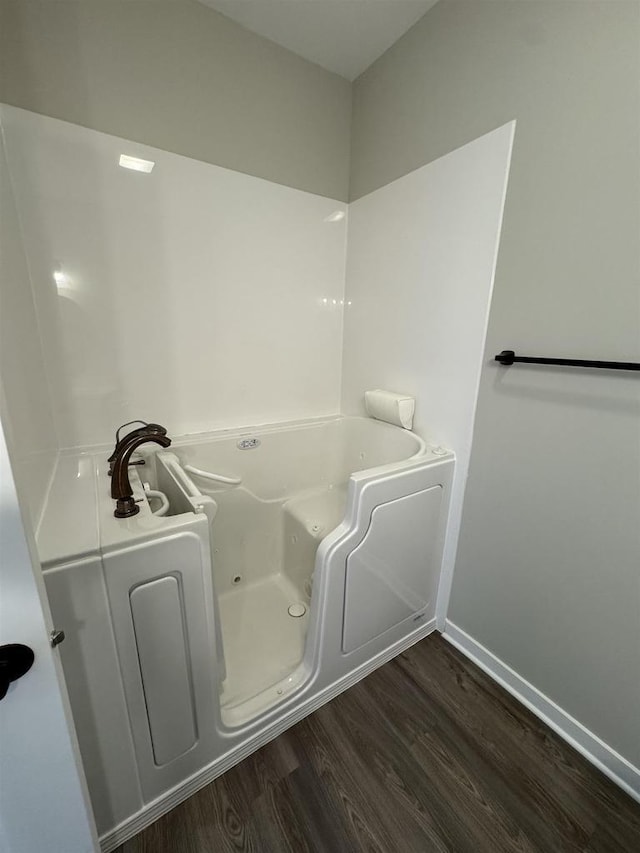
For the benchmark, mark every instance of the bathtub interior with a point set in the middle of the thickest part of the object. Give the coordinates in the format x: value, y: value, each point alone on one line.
x: 266, y: 533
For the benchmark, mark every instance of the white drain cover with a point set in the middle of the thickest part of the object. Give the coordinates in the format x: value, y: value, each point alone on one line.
x: 297, y: 610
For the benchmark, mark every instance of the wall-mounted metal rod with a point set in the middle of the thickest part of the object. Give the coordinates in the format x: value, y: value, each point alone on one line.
x: 507, y: 356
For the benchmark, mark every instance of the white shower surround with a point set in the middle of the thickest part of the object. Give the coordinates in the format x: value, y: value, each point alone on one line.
x: 204, y: 298
x: 150, y: 317
x: 420, y: 270
x: 195, y: 296
x: 28, y: 425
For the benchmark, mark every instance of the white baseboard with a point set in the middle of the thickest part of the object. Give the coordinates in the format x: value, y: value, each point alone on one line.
x: 606, y: 759
x: 154, y: 810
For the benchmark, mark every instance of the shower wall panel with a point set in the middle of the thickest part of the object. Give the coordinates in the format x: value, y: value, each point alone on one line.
x: 420, y: 267
x: 26, y: 406
x: 192, y: 295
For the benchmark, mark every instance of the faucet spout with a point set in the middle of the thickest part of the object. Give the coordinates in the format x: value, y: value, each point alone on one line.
x: 156, y: 429
x: 121, y: 490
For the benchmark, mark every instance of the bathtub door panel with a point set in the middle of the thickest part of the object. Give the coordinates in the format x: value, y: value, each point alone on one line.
x: 161, y: 604
x: 156, y: 610
x: 392, y: 575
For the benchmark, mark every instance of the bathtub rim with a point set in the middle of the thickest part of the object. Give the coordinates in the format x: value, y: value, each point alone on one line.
x: 215, y: 435
x: 80, y: 475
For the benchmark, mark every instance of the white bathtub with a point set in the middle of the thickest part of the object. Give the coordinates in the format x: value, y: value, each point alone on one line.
x: 285, y: 490
x: 343, y: 518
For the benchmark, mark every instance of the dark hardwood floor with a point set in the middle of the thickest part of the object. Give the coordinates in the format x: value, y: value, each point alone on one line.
x: 426, y: 754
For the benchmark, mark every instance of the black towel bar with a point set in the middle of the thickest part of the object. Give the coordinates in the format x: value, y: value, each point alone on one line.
x: 508, y: 356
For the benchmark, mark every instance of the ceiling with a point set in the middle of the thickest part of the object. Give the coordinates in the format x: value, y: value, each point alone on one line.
x: 344, y: 36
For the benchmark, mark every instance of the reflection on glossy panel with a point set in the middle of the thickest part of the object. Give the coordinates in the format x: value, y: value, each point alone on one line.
x: 26, y: 407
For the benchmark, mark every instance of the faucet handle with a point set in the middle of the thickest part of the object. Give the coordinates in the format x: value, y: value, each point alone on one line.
x: 152, y: 429
x: 118, y: 431
x: 131, y: 462
x: 128, y: 423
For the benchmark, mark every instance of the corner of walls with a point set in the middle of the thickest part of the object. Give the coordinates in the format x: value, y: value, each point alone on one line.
x: 194, y: 83
x: 588, y: 744
x: 455, y: 522
x: 546, y: 570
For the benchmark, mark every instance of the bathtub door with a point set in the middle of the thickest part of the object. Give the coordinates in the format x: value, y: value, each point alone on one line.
x: 162, y: 610
x: 393, y: 573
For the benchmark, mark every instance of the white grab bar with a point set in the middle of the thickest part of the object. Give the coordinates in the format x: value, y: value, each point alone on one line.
x: 199, y: 502
x: 163, y: 509
x: 217, y: 478
x: 187, y: 482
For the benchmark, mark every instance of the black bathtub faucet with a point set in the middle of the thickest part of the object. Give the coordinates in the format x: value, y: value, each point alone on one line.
x: 121, y: 490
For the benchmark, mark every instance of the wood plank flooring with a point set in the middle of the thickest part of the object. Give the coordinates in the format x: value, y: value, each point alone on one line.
x: 426, y: 754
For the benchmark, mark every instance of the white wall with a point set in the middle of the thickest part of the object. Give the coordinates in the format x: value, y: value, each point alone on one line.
x: 547, y: 570
x: 180, y: 76
x: 26, y: 406
x: 420, y: 267
x: 193, y: 296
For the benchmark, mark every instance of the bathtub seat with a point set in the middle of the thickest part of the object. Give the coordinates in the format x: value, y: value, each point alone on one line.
x: 307, y: 520
x: 319, y: 511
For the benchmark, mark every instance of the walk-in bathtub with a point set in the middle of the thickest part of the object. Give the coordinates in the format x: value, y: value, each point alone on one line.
x: 291, y: 561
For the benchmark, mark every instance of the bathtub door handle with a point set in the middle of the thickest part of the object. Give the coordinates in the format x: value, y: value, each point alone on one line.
x: 217, y: 478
